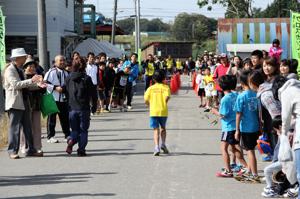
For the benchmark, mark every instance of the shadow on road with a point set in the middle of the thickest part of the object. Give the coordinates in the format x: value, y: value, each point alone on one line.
x: 120, y: 140
x: 48, y: 179
x: 148, y: 129
x: 56, y: 196
x: 93, y: 150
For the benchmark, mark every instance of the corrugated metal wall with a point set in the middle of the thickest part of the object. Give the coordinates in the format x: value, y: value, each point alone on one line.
x: 257, y: 30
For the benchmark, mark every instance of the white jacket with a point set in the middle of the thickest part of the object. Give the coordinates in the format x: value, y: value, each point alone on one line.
x: 289, y: 95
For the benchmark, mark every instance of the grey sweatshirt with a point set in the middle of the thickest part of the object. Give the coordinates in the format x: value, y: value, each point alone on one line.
x: 266, y: 97
x: 289, y: 95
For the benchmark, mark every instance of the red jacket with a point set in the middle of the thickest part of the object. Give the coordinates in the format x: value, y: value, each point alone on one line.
x: 220, y: 71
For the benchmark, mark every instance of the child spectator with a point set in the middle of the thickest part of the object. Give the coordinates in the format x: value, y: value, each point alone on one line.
x: 287, y: 70
x: 210, y: 89
x: 235, y: 66
x: 210, y: 64
x: 228, y: 120
x: 257, y: 60
x: 120, y: 86
x: 157, y: 97
x: 247, y: 124
x: 109, y: 77
x: 270, y: 190
x: 247, y: 64
x: 265, y: 54
x: 275, y: 51
x: 101, y: 87
x: 201, y: 87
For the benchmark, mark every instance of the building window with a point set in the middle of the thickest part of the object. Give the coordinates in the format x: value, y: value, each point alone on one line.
x: 67, y: 3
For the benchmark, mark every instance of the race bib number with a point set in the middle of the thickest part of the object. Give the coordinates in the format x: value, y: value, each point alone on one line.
x: 210, y: 86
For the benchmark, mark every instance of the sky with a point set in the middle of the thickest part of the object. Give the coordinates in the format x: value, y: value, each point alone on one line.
x: 164, y: 9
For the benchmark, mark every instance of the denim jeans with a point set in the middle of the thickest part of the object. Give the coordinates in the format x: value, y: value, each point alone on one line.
x: 297, y: 158
x: 80, y: 123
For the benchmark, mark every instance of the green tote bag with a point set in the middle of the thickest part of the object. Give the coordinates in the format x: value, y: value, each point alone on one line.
x: 48, y: 105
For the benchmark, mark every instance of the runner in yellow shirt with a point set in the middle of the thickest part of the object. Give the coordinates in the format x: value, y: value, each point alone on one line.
x: 179, y: 66
x: 157, y: 97
x: 210, y: 89
x: 150, y: 67
x: 170, y: 64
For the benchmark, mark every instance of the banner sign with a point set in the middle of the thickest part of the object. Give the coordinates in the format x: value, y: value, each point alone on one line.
x: 2, y: 40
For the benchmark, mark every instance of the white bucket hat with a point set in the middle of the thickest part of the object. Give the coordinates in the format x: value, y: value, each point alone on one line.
x: 18, y: 52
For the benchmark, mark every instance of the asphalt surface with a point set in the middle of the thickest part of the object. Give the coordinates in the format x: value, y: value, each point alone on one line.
x: 120, y: 164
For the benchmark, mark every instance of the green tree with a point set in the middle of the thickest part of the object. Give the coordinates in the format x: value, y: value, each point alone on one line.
x: 154, y: 25
x: 193, y: 27
x: 279, y: 8
x: 234, y: 8
x: 127, y: 25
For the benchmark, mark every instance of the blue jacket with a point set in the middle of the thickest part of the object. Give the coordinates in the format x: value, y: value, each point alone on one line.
x: 134, y: 71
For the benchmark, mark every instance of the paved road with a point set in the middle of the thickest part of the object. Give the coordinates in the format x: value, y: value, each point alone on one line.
x: 120, y: 164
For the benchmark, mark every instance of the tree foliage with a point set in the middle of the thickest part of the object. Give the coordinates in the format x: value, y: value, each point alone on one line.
x: 154, y: 25
x: 279, y: 8
x: 234, y: 8
x: 193, y: 27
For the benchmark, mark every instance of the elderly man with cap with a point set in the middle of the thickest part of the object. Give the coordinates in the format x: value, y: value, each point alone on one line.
x: 17, y: 103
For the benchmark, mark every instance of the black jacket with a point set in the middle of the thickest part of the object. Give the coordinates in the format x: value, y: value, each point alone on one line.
x: 80, y: 91
x: 109, y: 77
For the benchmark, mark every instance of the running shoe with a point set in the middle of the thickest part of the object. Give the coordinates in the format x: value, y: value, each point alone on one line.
x: 268, y: 158
x: 266, y: 189
x: 224, y: 174
x: 244, y: 172
x: 52, y: 140
x: 237, y: 168
x: 129, y: 108
x: 270, y: 193
x: 254, y: 179
x: 292, y: 192
x: 156, y: 153
x: 69, y: 148
x: 164, y: 149
x: 81, y: 153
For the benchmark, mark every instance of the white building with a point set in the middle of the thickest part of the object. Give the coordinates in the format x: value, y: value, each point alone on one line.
x: 22, y: 25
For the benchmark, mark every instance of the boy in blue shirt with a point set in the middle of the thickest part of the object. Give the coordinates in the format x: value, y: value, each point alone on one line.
x: 228, y: 115
x: 247, y: 124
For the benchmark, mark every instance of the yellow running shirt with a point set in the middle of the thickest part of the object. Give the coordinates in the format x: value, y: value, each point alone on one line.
x: 209, y: 82
x: 156, y: 95
x: 178, y: 65
x: 169, y: 63
x: 150, y: 69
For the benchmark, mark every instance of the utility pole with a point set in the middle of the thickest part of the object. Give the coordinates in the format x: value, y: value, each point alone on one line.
x: 113, y: 31
x: 136, y: 27
x: 42, y: 34
x: 138, y: 24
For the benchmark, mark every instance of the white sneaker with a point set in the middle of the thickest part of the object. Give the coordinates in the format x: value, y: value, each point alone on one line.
x: 23, y: 150
x: 52, y: 140
x: 292, y: 192
x: 129, y: 107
